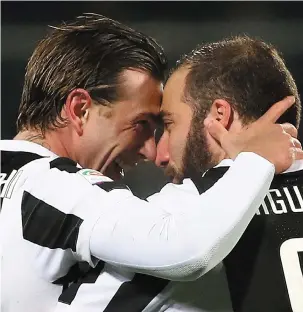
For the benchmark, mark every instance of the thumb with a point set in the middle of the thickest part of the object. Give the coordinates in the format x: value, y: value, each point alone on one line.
x: 215, y: 129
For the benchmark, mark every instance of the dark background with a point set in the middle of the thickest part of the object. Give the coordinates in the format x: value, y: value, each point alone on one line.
x: 178, y: 26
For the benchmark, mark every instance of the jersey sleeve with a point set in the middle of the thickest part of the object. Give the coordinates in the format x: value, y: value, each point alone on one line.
x: 176, y: 234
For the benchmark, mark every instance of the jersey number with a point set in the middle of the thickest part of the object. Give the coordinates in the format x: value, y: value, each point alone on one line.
x: 292, y: 271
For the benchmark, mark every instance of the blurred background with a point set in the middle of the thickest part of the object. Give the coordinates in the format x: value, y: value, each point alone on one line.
x: 177, y: 26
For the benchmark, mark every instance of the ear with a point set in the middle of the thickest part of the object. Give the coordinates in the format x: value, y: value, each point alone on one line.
x: 222, y: 111
x: 77, y: 107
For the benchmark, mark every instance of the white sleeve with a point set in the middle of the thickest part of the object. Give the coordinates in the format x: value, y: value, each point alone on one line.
x: 178, y: 234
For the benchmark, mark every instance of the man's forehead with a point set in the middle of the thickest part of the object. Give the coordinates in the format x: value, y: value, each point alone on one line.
x: 141, y: 91
x: 173, y: 94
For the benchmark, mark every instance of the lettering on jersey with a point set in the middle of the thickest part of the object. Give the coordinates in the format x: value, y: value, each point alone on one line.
x: 93, y: 176
x: 284, y: 200
x: 7, y: 185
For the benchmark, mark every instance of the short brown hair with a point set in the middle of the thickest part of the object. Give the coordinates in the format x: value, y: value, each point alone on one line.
x: 90, y: 53
x: 248, y: 73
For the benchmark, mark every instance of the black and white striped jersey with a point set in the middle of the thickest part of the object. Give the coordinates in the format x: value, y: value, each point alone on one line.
x: 242, y: 285
x: 110, y: 288
x: 55, y: 215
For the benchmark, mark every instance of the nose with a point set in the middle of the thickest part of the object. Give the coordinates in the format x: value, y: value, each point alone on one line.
x: 149, y: 149
x: 162, y: 157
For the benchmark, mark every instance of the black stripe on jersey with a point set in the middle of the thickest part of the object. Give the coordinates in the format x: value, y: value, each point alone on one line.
x: 112, y: 185
x: 75, y: 272
x: 69, y: 294
x: 64, y: 164
x: 68, y: 165
x: 135, y: 295
x: 47, y: 226
x: 209, y: 179
x: 300, y: 254
x: 15, y: 160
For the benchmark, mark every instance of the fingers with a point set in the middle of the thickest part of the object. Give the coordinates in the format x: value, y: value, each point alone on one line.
x: 277, y: 110
x: 290, y: 129
x: 297, y: 154
x: 296, y: 143
x: 215, y: 129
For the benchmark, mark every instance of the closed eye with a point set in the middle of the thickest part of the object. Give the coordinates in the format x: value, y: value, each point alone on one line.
x: 143, y: 122
x: 167, y: 124
x: 143, y: 125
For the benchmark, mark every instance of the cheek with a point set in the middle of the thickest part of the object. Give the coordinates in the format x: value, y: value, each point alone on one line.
x: 130, y: 141
x: 91, y: 144
x: 98, y: 137
x: 176, y: 145
x: 130, y: 138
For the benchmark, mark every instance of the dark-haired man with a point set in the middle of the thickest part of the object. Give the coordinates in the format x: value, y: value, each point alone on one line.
x: 91, y: 93
x: 223, y: 81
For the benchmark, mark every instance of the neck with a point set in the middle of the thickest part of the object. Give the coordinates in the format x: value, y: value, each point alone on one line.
x: 218, y: 154
x: 223, y: 156
x: 50, y: 140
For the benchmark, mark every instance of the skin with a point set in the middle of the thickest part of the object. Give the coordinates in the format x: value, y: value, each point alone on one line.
x: 112, y: 137
x: 186, y: 147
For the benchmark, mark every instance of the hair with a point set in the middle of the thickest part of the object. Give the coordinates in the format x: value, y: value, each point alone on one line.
x: 90, y: 52
x: 248, y: 73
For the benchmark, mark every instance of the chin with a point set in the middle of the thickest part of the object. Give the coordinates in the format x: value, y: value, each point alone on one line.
x: 175, y: 175
x: 177, y: 180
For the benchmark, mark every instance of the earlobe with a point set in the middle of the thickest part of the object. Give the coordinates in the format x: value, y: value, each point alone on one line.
x: 77, y: 107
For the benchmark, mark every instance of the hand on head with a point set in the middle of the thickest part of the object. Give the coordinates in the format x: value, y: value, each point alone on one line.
x: 276, y: 142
